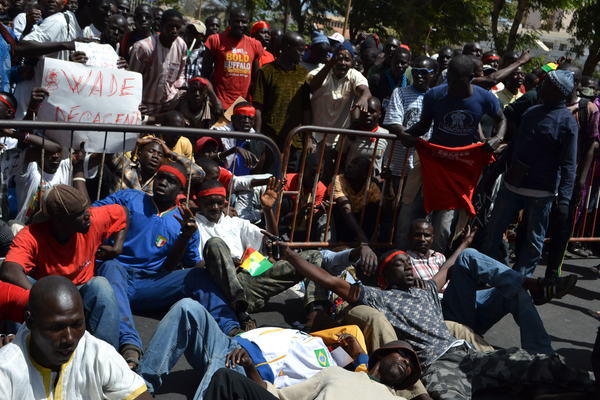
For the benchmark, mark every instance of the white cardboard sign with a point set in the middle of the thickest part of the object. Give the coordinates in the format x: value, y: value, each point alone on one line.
x: 84, y: 94
x: 99, y: 55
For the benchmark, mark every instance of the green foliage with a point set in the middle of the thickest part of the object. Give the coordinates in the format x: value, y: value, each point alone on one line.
x: 584, y: 27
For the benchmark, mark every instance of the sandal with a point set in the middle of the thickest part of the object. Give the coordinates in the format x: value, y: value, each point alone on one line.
x: 552, y: 288
x: 132, y: 355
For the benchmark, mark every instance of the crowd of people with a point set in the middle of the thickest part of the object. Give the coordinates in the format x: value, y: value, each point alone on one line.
x: 463, y: 164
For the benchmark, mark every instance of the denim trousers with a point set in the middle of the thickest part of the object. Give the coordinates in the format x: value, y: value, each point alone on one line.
x: 481, y: 309
x: 536, y: 213
x: 187, y: 329
x: 141, y: 292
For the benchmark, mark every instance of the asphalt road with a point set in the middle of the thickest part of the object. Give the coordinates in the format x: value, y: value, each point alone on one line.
x: 570, y: 321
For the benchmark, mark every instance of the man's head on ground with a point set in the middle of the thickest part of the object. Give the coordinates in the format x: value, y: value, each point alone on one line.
x: 101, y: 11
x: 150, y: 156
x: 396, y: 365
x: 49, y: 7
x: 115, y: 30
x: 56, y: 320
x: 207, y: 147
x: 238, y: 22
x: 171, y: 23
x: 319, y: 48
x: 394, y: 271
x: 531, y: 81
x: 142, y: 18
x: 399, y: 62
x: 472, y: 49
x: 171, y: 178
x: 460, y: 71
x: 557, y: 87
x: 213, y: 25
x: 444, y: 57
x: 157, y: 14
x: 244, y: 115
x: 515, y: 80
x: 292, y: 48
x: 210, y: 197
x: 357, y: 172
x: 124, y: 7
x: 194, y: 32
x: 275, y: 43
x: 491, y: 58
x: 588, y: 87
x: 423, y: 72
x: 391, y: 45
x: 8, y: 105
x: 420, y: 236
x: 197, y: 92
x: 368, y: 120
x: 261, y: 31
x: 67, y: 209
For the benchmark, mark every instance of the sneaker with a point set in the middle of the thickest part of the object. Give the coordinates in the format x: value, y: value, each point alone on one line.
x: 549, y: 288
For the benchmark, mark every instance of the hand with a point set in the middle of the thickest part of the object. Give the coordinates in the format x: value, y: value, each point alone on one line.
x: 122, y: 63
x: 187, y: 221
x: 78, y: 155
x: 106, y: 252
x: 218, y: 108
x: 468, y: 235
x: 524, y: 57
x: 6, y: 339
x: 276, y: 246
x: 166, y: 150
x: 250, y: 160
x: 38, y: 95
x: 491, y: 144
x: 33, y: 16
x: 350, y: 344
x: 407, y: 140
x: 362, y: 104
x: 238, y: 357
x: 79, y: 57
x: 368, y: 259
x: 271, y: 194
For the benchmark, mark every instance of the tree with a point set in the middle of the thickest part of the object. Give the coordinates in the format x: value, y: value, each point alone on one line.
x: 583, y: 26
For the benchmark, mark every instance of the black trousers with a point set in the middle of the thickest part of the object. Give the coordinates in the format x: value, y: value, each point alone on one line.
x: 227, y: 384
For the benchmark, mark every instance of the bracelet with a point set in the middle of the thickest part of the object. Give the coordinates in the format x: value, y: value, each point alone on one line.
x: 78, y: 179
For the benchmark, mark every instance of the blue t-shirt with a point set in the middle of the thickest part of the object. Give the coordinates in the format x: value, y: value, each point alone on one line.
x: 151, y: 234
x: 456, y: 121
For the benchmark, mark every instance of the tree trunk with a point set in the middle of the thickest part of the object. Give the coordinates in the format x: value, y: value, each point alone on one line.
x: 498, y: 6
x: 522, y: 7
x: 593, y: 58
x: 298, y: 15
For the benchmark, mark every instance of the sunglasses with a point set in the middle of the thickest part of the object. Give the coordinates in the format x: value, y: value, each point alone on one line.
x: 423, y: 71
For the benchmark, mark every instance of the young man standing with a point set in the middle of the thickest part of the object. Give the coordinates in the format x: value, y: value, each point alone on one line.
x: 261, y: 31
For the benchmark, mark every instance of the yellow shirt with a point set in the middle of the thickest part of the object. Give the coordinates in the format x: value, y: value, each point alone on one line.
x: 184, y: 147
x: 341, y: 188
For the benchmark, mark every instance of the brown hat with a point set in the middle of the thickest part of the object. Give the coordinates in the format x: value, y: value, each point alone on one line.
x: 62, y: 201
x: 399, y: 345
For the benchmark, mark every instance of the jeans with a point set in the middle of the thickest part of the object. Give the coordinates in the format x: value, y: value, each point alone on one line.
x: 139, y: 292
x: 443, y: 225
x: 507, y: 206
x: 481, y: 309
x: 188, y: 328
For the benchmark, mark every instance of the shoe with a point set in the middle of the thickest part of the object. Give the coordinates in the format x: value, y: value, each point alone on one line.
x: 246, y: 322
x: 552, y: 288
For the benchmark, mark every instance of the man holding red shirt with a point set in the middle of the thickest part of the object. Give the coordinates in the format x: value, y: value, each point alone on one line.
x: 67, y: 243
x: 234, y: 58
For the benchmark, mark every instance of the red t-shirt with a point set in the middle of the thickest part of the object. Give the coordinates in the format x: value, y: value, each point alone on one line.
x: 38, y: 252
x: 225, y: 177
x: 233, y: 65
x: 293, y: 183
x: 450, y: 174
x: 13, y: 300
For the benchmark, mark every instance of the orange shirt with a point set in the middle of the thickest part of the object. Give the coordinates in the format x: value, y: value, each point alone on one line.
x: 40, y: 254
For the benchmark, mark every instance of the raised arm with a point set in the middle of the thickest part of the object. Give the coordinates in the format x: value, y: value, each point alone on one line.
x: 30, y: 48
x: 441, y: 277
x: 317, y: 81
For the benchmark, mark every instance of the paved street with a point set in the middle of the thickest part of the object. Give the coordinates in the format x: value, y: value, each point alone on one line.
x: 569, y: 321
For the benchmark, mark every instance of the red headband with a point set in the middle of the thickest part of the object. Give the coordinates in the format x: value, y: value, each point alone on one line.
x: 172, y: 170
x: 245, y: 110
x: 208, y: 192
x: 405, y: 46
x: 198, y: 79
x: 492, y: 58
x: 380, y: 279
x: 10, y: 106
x: 258, y: 26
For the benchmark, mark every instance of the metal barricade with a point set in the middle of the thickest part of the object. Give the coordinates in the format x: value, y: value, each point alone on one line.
x: 306, y: 132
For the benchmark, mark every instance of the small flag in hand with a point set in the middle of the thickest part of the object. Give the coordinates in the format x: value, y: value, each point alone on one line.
x: 254, y: 262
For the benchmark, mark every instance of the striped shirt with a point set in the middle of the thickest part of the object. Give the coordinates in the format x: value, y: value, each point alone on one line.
x: 404, y: 108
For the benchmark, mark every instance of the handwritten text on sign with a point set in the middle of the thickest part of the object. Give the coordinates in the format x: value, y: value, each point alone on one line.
x: 84, y: 94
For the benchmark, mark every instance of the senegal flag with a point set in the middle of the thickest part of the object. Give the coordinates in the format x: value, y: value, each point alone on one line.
x: 254, y: 262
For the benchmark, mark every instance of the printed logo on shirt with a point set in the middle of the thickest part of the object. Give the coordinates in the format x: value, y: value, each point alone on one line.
x: 85, y: 265
x: 161, y: 241
x: 322, y: 358
x: 458, y: 122
x: 237, y: 62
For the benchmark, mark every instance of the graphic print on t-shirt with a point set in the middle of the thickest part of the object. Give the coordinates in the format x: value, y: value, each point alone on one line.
x: 237, y: 62
x: 458, y: 122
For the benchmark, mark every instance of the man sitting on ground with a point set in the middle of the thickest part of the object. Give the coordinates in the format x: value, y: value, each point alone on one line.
x: 54, y: 355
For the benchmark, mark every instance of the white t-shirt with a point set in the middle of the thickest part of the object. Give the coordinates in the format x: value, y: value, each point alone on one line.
x: 28, y: 180
x: 238, y: 233
x: 228, y: 143
x: 91, y: 32
x: 95, y: 371
x: 19, y: 24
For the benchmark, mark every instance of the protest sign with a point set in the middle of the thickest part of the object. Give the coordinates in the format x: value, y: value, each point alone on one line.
x: 84, y: 94
x: 99, y: 55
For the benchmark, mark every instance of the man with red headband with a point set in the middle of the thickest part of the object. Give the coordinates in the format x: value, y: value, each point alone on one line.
x: 162, y: 238
x: 450, y: 365
x: 200, y: 105
x: 234, y: 58
x: 261, y: 31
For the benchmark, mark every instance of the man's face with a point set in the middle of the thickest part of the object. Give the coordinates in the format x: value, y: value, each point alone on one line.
x: 400, y: 62
x: 151, y: 156
x: 143, y: 19
x: 516, y: 78
x: 171, y: 29
x: 56, y: 332
x: 295, y: 52
x: 242, y: 123
x: 421, y: 237
x: 49, y: 7
x: 444, y: 58
x: 213, y: 25
x: 115, y: 30
x: 399, y: 273
x: 52, y: 161
x: 264, y: 36
x: 102, y: 11
x: 78, y: 223
x: 238, y: 24
x: 197, y: 93
x: 212, y: 206
x: 343, y: 63
x: 395, y: 367
x: 320, y: 51
x: 72, y: 5
x: 422, y: 75
x: 192, y: 34
x: 124, y: 7
x: 390, y: 47
x: 6, y: 113
x: 209, y: 150
x: 474, y: 49
x: 368, y: 120
x: 166, y: 187
x: 157, y: 14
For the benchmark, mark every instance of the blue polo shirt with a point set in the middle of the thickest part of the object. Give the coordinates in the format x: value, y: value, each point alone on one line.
x: 151, y: 234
